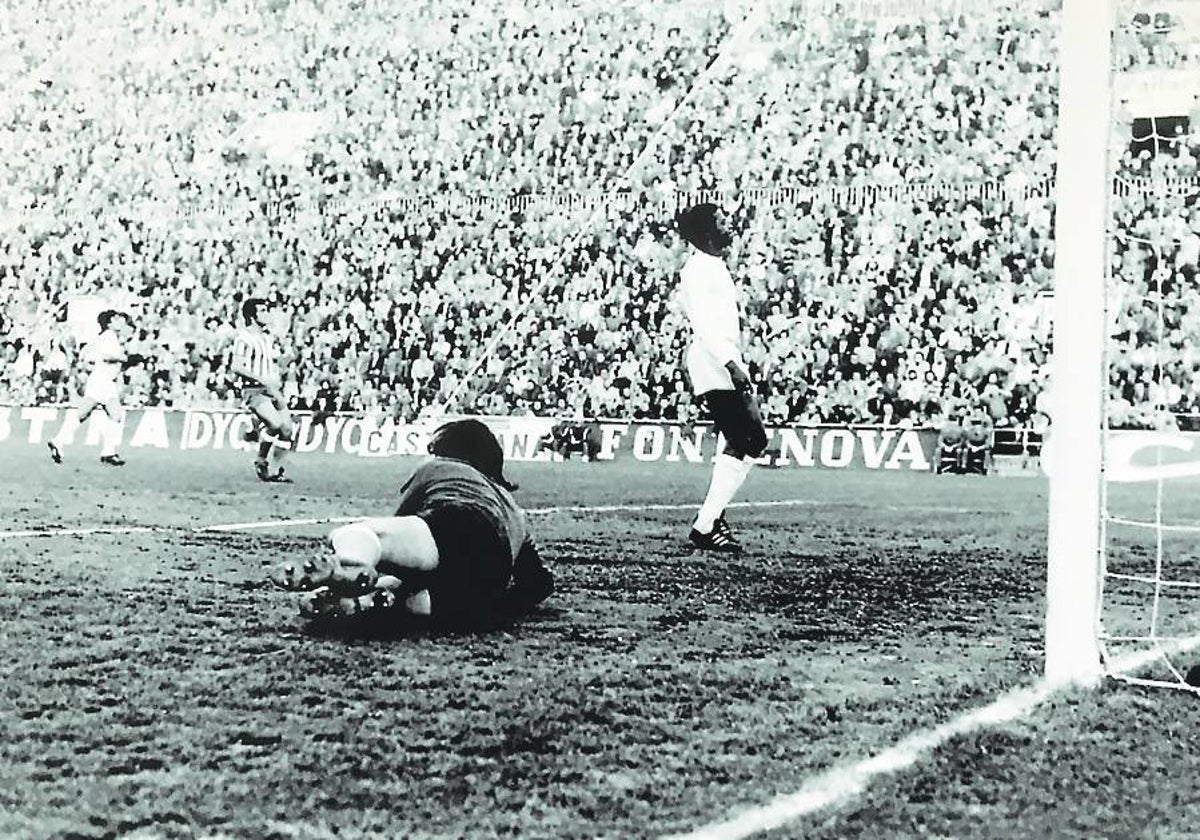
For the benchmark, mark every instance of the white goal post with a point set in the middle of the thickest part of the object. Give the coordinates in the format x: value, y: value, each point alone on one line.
x: 1079, y: 383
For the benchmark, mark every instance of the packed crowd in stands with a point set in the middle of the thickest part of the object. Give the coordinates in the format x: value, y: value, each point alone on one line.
x: 173, y: 160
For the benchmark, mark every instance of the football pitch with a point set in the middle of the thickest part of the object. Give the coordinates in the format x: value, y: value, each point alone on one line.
x: 154, y: 685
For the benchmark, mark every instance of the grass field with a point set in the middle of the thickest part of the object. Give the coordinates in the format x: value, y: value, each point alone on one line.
x: 155, y: 686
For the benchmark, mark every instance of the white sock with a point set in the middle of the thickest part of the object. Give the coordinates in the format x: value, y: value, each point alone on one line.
x: 727, y: 477
x: 279, y: 449
x: 110, y: 436
x: 67, y: 430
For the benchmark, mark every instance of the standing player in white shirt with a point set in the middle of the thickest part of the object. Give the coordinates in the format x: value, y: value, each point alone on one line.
x: 102, y: 390
x: 717, y: 372
x: 255, y: 363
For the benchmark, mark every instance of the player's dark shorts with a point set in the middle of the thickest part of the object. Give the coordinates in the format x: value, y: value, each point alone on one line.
x: 251, y: 392
x: 735, y: 414
x: 475, y: 565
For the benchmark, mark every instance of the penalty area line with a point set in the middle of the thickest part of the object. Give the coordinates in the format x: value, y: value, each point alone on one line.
x: 181, y: 529
x: 276, y: 523
x: 771, y: 503
x: 542, y: 511
x: 83, y: 532
x: 338, y: 520
x: 666, y: 507
x: 840, y: 785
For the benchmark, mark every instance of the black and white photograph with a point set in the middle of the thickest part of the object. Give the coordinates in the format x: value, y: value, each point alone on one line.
x: 690, y: 419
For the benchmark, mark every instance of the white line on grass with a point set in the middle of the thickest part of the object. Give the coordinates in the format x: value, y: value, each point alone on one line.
x: 841, y: 784
x: 83, y: 532
x: 277, y: 523
x: 554, y: 509
x: 763, y: 504
x: 654, y: 507
x: 169, y: 529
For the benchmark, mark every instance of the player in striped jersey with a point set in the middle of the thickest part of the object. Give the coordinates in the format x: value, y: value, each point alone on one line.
x: 102, y: 390
x: 255, y: 363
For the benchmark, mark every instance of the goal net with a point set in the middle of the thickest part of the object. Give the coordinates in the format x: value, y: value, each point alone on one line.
x: 1149, y: 522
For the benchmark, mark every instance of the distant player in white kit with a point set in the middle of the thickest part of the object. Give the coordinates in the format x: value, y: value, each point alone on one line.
x: 715, y: 367
x: 102, y: 390
x: 255, y: 364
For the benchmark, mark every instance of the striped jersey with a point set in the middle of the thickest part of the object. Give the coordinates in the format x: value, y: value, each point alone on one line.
x: 255, y: 351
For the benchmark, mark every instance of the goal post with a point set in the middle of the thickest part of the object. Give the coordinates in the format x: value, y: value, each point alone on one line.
x: 1078, y: 384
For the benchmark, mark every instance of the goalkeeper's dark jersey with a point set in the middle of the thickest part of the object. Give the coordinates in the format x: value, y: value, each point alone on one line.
x: 445, y: 483
x: 487, y: 560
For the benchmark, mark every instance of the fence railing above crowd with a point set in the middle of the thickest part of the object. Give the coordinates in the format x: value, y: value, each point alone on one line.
x: 1014, y: 189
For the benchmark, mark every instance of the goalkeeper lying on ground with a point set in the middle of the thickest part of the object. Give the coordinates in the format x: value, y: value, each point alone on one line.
x: 457, y: 553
